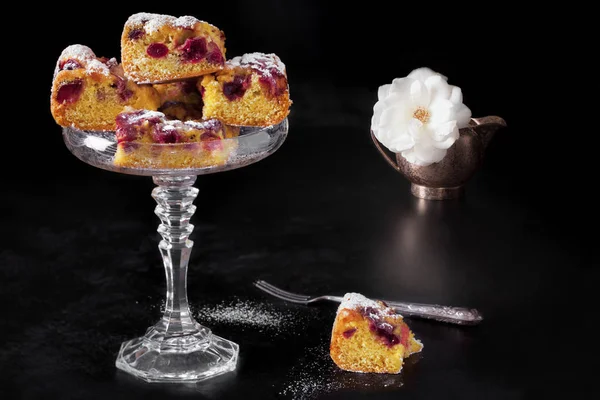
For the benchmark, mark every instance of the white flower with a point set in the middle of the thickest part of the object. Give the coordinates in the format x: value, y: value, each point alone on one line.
x: 419, y: 116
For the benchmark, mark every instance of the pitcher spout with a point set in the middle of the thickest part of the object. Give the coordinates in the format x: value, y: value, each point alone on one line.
x: 486, y: 127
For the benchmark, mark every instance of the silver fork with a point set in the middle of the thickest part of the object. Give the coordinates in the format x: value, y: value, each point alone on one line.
x: 453, y: 315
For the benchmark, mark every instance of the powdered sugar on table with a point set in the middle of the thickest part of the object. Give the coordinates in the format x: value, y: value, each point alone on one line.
x: 252, y: 314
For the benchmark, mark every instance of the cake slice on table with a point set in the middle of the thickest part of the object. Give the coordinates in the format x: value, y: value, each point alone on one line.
x: 369, y: 336
x: 251, y: 90
x: 88, y: 92
x: 180, y: 100
x: 161, y: 48
x: 147, y: 139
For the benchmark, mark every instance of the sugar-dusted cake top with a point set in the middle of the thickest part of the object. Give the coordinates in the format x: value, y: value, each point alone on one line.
x: 135, y: 124
x: 79, y: 56
x: 374, y: 308
x: 133, y: 117
x: 153, y: 22
x: 266, y: 64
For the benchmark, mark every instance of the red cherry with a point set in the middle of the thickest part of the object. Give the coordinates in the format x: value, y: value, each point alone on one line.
x: 349, y: 332
x: 135, y: 34
x: 161, y: 135
x: 211, y: 141
x: 194, y: 49
x: 236, y: 88
x: 69, y: 64
x: 69, y: 92
x: 157, y: 50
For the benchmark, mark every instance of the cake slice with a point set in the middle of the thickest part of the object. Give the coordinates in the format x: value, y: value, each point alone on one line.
x: 251, y: 90
x: 180, y: 100
x: 369, y: 336
x: 88, y: 92
x: 161, y: 48
x: 147, y: 139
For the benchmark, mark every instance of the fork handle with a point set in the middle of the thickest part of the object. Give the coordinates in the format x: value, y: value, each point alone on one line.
x: 453, y: 315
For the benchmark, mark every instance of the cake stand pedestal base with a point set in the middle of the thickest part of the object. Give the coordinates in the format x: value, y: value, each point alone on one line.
x: 155, y: 357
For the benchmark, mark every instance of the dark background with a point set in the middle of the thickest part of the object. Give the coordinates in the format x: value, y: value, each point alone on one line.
x: 79, y: 270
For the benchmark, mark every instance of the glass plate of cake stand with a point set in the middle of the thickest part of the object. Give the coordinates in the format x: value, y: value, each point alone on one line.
x: 176, y: 348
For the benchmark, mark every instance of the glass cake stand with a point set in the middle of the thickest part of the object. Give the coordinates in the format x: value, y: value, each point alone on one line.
x: 176, y: 348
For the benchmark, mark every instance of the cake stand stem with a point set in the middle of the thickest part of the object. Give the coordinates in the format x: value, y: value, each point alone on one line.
x: 174, y: 196
x: 176, y: 348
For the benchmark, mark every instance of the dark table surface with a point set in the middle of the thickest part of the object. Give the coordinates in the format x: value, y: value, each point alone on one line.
x: 81, y: 273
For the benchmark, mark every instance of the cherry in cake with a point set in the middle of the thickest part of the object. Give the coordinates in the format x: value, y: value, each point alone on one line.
x: 251, y: 90
x: 369, y: 336
x: 180, y: 100
x: 88, y: 92
x: 159, y: 48
x: 147, y: 139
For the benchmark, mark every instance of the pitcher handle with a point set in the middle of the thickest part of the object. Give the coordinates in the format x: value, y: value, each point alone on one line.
x: 384, y: 153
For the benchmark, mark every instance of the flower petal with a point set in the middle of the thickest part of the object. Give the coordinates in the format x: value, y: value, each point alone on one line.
x: 419, y: 94
x: 462, y: 114
x: 401, y: 85
x: 399, y: 101
x: 377, y: 110
x: 426, y: 155
x: 375, y: 122
x: 442, y: 131
x: 456, y: 96
x: 393, y: 117
x: 444, y: 135
x: 415, y: 129
x: 438, y: 87
x: 422, y: 74
x: 398, y: 141
x: 383, y: 91
x: 441, y: 110
x: 410, y: 156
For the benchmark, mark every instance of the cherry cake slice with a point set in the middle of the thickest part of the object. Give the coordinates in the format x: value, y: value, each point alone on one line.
x: 88, y: 92
x: 369, y: 336
x: 251, y: 90
x: 158, y: 48
x: 147, y: 139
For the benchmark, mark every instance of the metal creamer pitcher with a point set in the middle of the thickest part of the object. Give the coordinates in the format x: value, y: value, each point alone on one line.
x: 446, y: 179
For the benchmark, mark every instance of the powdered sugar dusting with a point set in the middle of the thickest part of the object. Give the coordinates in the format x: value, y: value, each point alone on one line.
x: 265, y: 64
x: 78, y: 52
x: 87, y: 58
x: 132, y: 116
x: 252, y: 314
x: 98, y: 67
x: 354, y: 301
x: 210, y: 124
x: 112, y: 63
x: 186, y: 22
x: 375, y: 309
x: 153, y: 22
x: 138, y: 115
